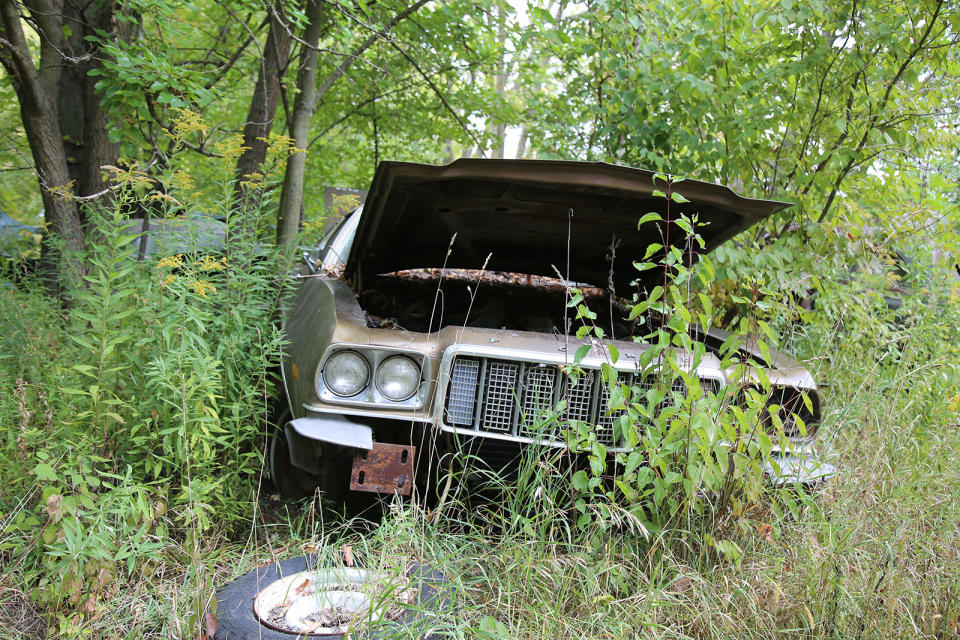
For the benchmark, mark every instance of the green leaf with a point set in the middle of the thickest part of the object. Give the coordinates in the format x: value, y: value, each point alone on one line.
x: 580, y: 481
x: 614, y: 353
x: 491, y: 628
x: 44, y: 472
x: 653, y: 216
x: 652, y: 248
x: 765, y: 352
x: 581, y: 353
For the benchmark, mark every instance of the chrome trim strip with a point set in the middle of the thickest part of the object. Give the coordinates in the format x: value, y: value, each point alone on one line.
x: 366, y: 412
x: 502, y: 436
x: 335, y: 430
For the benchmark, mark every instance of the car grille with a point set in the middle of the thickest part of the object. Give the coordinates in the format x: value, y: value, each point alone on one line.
x: 499, y: 397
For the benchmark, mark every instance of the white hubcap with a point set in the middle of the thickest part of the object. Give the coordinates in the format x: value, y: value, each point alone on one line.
x: 331, y: 601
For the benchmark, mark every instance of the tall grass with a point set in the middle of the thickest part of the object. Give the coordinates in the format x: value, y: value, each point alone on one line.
x: 134, y: 416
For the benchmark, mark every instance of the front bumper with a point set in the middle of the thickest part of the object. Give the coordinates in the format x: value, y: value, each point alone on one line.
x: 799, y: 468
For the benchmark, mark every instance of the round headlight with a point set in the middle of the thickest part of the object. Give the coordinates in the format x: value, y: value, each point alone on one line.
x: 398, y: 378
x: 346, y: 373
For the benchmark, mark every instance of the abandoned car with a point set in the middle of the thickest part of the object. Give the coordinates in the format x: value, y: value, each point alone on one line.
x: 437, y: 312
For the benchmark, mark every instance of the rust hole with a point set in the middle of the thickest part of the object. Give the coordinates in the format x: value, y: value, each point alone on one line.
x: 403, y: 456
x: 361, y: 476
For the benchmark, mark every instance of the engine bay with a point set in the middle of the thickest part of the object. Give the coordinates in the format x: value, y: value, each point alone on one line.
x: 425, y: 300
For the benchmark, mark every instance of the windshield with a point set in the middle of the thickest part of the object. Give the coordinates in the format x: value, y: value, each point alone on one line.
x: 336, y: 246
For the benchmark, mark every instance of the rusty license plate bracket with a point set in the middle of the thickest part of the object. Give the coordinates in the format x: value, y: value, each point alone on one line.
x: 387, y: 468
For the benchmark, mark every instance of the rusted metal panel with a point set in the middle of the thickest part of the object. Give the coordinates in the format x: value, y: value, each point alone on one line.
x: 387, y: 468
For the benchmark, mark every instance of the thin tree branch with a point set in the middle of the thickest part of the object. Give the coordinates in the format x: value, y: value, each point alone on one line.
x: 880, y: 107
x: 366, y: 44
x: 439, y: 94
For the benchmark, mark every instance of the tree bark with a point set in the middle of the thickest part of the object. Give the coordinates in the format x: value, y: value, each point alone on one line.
x: 36, y: 93
x: 263, y: 108
x: 291, y: 198
x: 83, y: 125
x: 308, y: 96
x: 522, y: 144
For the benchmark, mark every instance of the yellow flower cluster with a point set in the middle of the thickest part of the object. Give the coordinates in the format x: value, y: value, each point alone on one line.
x: 344, y: 202
x: 209, y: 263
x: 170, y: 279
x: 202, y: 288
x: 181, y: 180
x: 130, y: 177
x: 165, y: 198
x: 252, y: 180
x: 231, y: 148
x: 171, y: 261
x: 279, y: 145
x: 315, y: 225
x: 63, y: 191
x: 188, y: 123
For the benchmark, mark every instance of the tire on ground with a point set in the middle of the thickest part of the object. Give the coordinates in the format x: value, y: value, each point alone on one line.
x: 236, y: 619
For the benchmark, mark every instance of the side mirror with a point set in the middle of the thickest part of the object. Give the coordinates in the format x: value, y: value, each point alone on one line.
x: 310, y: 256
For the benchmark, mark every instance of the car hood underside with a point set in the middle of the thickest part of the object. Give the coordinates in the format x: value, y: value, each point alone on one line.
x: 534, y: 217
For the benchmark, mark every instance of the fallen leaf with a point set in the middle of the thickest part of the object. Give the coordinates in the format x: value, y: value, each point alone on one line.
x: 766, y: 530
x: 303, y: 587
x: 211, y: 621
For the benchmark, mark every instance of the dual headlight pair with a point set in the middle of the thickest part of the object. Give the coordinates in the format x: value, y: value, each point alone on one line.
x: 347, y: 373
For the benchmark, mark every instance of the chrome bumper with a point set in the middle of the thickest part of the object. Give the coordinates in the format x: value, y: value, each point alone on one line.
x: 798, y: 468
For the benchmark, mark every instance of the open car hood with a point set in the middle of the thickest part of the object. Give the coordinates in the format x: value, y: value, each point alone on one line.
x: 516, y: 212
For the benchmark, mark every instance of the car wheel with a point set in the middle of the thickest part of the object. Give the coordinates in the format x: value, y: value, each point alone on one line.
x: 292, y: 482
x: 295, y: 599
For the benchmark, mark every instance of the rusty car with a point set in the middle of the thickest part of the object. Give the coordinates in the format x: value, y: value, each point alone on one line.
x: 435, y: 317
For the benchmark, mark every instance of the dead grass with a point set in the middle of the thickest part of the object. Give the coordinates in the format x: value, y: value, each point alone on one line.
x: 18, y: 618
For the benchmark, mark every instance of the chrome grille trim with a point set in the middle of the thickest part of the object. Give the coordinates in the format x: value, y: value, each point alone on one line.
x: 648, y: 383
x: 489, y: 394
x: 520, y: 385
x: 579, y: 397
x: 500, y: 396
x: 539, y: 398
x: 464, y: 382
x: 605, y: 419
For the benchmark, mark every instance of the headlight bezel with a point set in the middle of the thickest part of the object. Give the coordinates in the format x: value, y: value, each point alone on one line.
x: 371, y: 396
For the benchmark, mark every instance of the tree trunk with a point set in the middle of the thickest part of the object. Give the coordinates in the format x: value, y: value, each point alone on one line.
x: 263, y: 108
x: 83, y: 126
x: 522, y: 144
x: 36, y: 93
x: 291, y: 198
